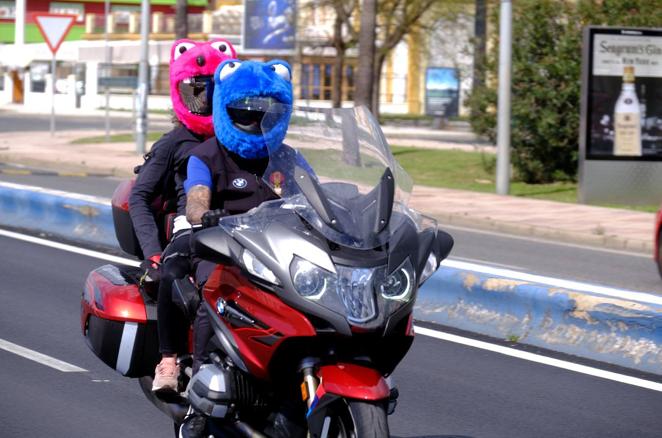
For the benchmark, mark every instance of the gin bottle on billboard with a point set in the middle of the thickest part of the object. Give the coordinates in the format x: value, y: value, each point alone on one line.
x: 627, y: 118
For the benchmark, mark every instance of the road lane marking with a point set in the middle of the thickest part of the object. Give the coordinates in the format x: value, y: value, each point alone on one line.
x: 69, y: 248
x: 499, y: 265
x: 40, y: 358
x: 547, y: 242
x: 532, y: 357
x: 642, y: 297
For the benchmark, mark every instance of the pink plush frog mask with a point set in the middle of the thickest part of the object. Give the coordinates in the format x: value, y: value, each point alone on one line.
x: 192, y: 67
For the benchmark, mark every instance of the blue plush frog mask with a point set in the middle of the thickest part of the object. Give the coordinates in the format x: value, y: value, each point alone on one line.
x: 244, y: 92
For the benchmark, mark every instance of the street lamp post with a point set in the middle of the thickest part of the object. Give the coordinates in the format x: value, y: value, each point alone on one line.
x: 143, y: 78
x: 503, y: 110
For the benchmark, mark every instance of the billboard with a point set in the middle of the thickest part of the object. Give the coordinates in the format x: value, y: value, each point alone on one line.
x: 269, y: 25
x: 442, y: 92
x: 625, y: 95
x: 621, y: 116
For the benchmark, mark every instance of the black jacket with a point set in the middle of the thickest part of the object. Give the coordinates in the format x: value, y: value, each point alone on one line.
x: 237, y: 184
x: 160, y: 175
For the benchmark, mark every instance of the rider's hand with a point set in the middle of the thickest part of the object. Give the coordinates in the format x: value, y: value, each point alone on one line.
x: 151, y: 268
x: 211, y: 217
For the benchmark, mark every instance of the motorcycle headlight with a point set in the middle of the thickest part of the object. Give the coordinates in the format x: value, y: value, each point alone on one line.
x: 399, y: 284
x: 309, y: 280
x: 257, y: 268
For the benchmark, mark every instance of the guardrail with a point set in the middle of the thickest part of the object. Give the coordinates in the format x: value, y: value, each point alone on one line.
x: 599, y: 323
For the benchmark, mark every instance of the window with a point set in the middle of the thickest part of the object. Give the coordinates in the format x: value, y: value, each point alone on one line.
x: 318, y: 81
x: 160, y: 79
x: 122, y: 78
x: 38, y: 72
x: 326, y: 83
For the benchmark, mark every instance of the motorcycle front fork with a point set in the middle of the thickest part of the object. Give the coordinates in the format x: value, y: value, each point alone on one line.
x: 310, y: 382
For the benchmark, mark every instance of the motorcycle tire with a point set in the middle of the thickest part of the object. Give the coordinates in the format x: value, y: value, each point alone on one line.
x: 360, y: 420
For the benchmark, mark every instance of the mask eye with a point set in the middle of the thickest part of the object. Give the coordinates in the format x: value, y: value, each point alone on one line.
x: 282, y: 71
x: 221, y: 46
x: 180, y: 49
x: 228, y: 69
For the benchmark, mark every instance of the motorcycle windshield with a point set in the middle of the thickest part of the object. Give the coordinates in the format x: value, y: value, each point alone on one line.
x: 336, y: 170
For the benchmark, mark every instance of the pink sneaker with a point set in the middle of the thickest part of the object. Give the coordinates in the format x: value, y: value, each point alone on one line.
x: 165, y: 376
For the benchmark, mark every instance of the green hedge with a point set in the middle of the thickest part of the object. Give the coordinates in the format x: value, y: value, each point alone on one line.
x: 546, y: 78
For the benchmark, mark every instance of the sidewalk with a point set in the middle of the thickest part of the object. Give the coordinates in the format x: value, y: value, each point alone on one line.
x: 581, y: 224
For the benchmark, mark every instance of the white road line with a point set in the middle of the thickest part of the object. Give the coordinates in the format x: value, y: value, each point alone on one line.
x: 525, y: 355
x: 499, y: 265
x: 547, y: 242
x: 40, y: 358
x: 69, y: 248
x: 556, y: 282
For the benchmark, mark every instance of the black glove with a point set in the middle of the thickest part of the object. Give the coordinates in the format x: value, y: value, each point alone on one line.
x: 211, y: 217
x: 151, y: 270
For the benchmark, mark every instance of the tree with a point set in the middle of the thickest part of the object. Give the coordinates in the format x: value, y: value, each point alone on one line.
x: 395, y: 19
x: 546, y: 80
x: 181, y: 19
x: 480, y: 33
x: 363, y: 95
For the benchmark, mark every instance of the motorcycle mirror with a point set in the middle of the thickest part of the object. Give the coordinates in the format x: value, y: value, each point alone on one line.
x: 443, y: 244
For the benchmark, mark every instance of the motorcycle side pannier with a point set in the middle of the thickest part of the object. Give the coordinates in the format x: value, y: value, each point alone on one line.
x: 118, y: 320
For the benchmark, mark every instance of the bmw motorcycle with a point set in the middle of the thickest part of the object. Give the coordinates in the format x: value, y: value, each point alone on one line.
x: 312, y: 296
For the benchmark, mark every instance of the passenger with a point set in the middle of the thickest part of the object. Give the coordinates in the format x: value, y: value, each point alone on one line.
x: 192, y: 66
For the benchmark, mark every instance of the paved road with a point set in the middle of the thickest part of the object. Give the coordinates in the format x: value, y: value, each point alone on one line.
x: 447, y: 390
x: 13, y: 122
x: 621, y: 270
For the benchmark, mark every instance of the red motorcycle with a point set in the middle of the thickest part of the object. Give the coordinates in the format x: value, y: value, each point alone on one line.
x: 311, y: 300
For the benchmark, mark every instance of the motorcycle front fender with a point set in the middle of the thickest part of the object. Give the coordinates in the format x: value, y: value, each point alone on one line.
x: 343, y: 382
x: 352, y: 381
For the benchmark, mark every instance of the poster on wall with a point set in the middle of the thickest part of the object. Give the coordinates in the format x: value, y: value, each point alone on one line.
x: 624, y: 101
x: 442, y: 92
x: 269, y: 25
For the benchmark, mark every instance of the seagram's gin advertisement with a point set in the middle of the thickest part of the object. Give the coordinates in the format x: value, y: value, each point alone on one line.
x: 625, y: 95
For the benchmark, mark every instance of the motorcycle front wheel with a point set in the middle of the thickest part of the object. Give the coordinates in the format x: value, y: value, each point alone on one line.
x: 358, y: 419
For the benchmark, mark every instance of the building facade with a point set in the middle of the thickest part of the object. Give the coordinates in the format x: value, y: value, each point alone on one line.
x: 299, y: 32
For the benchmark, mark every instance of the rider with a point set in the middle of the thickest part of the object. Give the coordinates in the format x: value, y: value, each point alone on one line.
x: 192, y: 65
x: 224, y: 174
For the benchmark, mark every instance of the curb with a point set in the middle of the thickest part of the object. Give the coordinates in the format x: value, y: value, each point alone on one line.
x: 43, y: 172
x: 76, y: 217
x: 608, y: 325
x: 624, y: 330
x: 598, y: 241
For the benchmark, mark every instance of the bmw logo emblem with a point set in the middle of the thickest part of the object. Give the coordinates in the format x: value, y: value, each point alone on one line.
x: 239, y: 183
